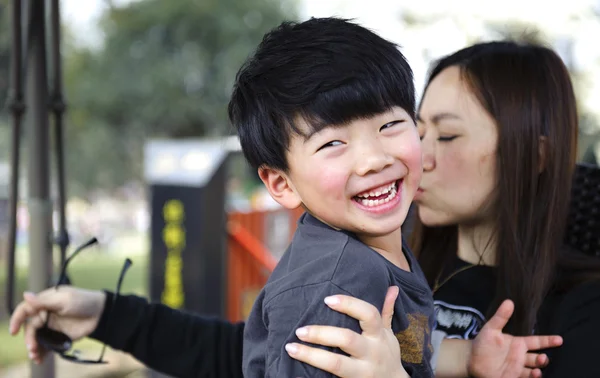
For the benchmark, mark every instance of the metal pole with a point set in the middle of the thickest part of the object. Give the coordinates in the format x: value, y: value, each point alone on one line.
x: 57, y: 105
x: 17, y: 107
x: 39, y: 204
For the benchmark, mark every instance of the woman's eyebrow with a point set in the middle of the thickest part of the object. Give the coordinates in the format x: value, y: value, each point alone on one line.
x: 438, y: 117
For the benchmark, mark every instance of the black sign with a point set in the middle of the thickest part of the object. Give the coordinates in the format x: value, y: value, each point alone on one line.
x: 188, y: 250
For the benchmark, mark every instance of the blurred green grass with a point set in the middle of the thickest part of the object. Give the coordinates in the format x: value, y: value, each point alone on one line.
x: 91, y: 270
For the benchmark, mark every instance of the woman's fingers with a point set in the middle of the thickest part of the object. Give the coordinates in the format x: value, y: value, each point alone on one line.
x: 371, y: 353
x: 36, y: 351
x: 387, y: 313
x: 336, y: 364
x: 34, y: 323
x: 343, y: 338
x: 30, y: 316
x: 365, y: 313
x: 19, y: 317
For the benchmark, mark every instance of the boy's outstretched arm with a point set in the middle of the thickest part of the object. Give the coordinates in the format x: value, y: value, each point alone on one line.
x: 494, y: 354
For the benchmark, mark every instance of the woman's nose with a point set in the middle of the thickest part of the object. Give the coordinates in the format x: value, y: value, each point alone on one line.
x: 428, y: 149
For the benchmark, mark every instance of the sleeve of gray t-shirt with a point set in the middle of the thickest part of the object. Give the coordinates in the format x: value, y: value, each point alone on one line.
x: 291, y: 310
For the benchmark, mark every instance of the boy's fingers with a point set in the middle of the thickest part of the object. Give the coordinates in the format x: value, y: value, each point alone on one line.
x: 333, y: 363
x: 542, y: 342
x: 531, y: 373
x: 387, y: 313
x: 502, y: 315
x: 365, y: 313
x: 534, y: 360
x: 343, y: 338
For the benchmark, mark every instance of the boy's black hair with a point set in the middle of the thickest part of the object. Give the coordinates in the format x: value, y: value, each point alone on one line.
x: 329, y: 71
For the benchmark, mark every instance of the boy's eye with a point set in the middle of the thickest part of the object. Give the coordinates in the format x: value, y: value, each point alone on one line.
x: 390, y: 124
x: 447, y: 138
x: 333, y: 143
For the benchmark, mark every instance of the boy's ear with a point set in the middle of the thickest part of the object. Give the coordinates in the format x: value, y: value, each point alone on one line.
x: 280, y: 187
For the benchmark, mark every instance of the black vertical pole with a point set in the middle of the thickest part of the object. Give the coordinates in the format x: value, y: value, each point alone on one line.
x: 57, y: 105
x: 16, y: 106
x: 38, y: 201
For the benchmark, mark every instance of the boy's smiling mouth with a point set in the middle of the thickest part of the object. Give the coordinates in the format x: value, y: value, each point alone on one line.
x: 380, y: 199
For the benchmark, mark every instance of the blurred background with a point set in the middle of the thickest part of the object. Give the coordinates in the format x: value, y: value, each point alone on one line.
x: 136, y: 71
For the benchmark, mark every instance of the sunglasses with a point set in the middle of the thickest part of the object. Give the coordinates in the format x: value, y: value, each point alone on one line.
x: 60, y: 343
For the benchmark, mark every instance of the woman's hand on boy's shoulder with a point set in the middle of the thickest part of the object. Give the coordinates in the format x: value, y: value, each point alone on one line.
x: 373, y: 353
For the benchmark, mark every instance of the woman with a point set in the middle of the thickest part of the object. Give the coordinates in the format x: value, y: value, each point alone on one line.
x: 369, y: 354
x: 498, y: 123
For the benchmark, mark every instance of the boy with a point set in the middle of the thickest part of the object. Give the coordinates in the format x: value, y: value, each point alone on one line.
x: 325, y: 112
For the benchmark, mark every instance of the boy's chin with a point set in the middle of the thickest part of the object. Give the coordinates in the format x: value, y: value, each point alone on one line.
x: 374, y: 231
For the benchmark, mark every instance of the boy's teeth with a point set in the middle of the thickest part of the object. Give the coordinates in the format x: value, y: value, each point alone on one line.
x: 369, y: 202
x: 378, y: 192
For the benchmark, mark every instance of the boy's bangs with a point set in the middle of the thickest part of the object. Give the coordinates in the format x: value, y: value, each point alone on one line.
x: 355, y: 100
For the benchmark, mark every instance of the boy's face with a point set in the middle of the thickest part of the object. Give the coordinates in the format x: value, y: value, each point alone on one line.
x: 359, y: 177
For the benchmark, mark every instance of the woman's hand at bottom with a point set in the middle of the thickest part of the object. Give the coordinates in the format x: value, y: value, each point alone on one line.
x: 373, y: 353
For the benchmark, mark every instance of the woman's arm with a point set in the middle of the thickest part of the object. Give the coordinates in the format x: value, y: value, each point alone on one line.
x: 170, y: 341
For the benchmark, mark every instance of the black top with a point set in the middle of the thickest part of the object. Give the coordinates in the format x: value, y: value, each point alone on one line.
x: 320, y: 262
x: 462, y: 303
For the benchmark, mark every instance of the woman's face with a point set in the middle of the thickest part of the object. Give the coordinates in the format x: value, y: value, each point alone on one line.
x: 459, y: 154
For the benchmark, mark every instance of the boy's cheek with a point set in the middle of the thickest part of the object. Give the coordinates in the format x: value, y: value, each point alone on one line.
x: 408, y: 150
x: 414, y: 163
x: 413, y: 157
x: 330, y: 182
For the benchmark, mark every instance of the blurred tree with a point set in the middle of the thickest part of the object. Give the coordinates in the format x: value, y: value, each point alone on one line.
x: 165, y: 69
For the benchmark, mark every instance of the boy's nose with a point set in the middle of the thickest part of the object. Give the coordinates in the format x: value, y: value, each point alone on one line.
x: 373, y: 159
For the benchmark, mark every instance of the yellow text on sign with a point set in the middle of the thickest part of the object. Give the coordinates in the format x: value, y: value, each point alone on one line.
x: 173, y: 236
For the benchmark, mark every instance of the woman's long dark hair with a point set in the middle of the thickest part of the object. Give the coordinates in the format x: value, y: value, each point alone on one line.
x: 527, y: 90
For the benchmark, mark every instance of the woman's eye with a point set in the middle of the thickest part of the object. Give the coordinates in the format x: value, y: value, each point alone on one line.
x: 390, y: 124
x: 330, y: 144
x: 447, y: 138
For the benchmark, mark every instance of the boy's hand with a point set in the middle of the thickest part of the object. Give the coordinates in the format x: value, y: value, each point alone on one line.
x: 506, y: 356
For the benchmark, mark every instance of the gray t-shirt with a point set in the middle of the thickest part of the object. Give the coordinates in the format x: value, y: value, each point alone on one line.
x: 320, y: 262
